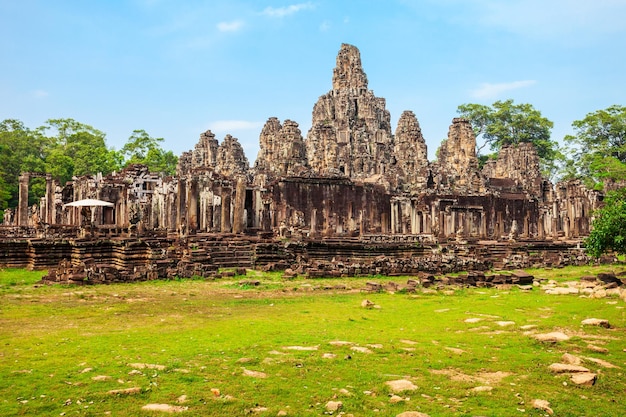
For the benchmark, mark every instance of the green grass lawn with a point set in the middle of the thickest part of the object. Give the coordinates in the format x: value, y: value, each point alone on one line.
x: 292, y: 346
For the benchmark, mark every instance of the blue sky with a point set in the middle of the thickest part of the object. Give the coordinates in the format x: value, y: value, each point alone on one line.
x: 177, y: 68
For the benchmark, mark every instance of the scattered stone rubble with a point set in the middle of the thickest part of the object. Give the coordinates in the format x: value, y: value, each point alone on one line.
x: 350, y: 186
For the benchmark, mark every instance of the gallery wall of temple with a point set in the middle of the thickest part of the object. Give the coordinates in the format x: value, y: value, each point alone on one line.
x: 350, y: 176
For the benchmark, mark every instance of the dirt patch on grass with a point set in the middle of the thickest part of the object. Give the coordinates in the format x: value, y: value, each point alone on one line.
x: 487, y: 378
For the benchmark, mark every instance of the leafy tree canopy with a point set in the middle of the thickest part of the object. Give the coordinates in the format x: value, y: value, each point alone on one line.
x: 21, y: 150
x: 66, y: 148
x: 141, y: 148
x: 599, y: 146
x: 609, y: 226
x: 506, y: 123
x: 77, y: 149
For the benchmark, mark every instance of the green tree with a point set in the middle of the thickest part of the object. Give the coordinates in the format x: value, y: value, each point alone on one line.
x: 77, y: 149
x: 505, y: 123
x: 608, y: 231
x: 21, y: 150
x: 598, y: 146
x: 141, y: 148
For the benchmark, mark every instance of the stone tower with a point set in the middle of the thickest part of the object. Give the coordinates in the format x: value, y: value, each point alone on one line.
x: 281, y: 149
x: 410, y: 152
x: 205, y: 152
x: 457, y: 162
x: 351, y: 131
x: 231, y: 160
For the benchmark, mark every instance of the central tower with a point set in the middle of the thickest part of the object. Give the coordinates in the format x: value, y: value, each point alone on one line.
x: 351, y: 129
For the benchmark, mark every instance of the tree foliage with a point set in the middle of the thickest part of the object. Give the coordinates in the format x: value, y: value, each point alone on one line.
x: 141, y: 148
x: 77, y: 149
x: 66, y: 148
x: 21, y: 150
x: 609, y: 226
x: 506, y: 123
x: 599, y: 146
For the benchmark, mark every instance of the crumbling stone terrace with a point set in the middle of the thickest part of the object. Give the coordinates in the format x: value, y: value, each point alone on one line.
x: 348, y: 195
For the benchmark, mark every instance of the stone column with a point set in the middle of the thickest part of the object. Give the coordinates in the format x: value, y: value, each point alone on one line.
x: 361, y: 223
x: 192, y: 205
x: 225, y: 217
x: 50, y: 215
x: 239, y: 209
x: 384, y: 223
x: 483, y: 225
x: 181, y: 221
x: 312, y: 229
x: 22, y: 208
x: 555, y: 228
x: 209, y: 215
x: 393, y: 217
x: 258, y: 208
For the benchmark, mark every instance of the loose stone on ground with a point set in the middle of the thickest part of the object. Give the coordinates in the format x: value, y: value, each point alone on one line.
x: 166, y: 408
x: 401, y: 385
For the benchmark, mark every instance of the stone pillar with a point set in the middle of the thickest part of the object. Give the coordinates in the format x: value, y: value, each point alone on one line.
x: 192, y: 205
x: 526, y: 232
x: 22, y: 208
x: 394, y: 215
x: 361, y: 223
x: 384, y: 223
x: 181, y: 221
x: 258, y: 209
x: 226, y: 198
x: 555, y: 214
x: 209, y: 216
x: 312, y: 229
x: 50, y: 215
x: 239, y: 209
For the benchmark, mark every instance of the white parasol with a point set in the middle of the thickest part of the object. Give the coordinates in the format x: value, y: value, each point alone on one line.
x: 89, y: 202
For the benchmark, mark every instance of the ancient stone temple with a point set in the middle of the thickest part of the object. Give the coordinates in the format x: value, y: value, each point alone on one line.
x: 351, y: 129
x: 350, y: 182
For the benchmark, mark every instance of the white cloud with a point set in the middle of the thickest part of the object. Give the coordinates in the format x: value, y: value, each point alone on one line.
x: 232, y: 125
x: 233, y: 26
x: 325, y: 26
x: 287, y: 10
x: 488, y: 90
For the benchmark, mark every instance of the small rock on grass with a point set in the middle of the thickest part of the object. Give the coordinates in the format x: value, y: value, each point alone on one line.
x: 147, y: 366
x: 333, y: 406
x: 542, y: 405
x: 412, y: 414
x: 166, y: 408
x: 584, y: 378
x: 505, y: 323
x: 401, y: 385
x: 596, y: 322
x: 597, y: 349
x: 126, y: 391
x: 563, y: 368
x: 571, y: 359
x: 367, y: 304
x: 254, y: 374
x: 601, y: 362
x: 394, y: 399
x: 552, y: 337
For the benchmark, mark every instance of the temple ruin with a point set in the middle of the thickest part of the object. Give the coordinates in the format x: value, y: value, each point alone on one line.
x: 350, y: 198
